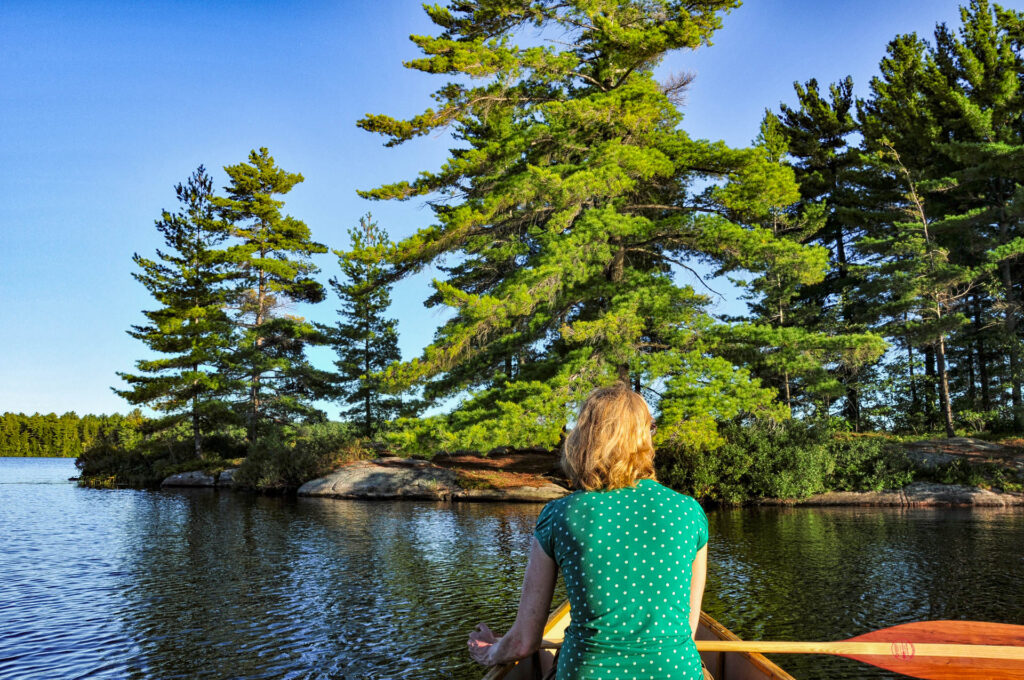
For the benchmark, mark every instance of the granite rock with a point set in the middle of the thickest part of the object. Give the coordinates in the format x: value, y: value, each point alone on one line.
x: 918, y: 494
x: 409, y: 478
x: 193, y: 478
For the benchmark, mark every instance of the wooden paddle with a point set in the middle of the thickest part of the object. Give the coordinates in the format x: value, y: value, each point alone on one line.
x: 932, y: 650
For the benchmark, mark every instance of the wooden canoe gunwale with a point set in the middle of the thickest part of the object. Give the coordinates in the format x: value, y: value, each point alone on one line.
x: 763, y: 668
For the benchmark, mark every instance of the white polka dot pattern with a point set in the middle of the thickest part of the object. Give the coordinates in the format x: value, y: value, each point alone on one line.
x: 626, y: 558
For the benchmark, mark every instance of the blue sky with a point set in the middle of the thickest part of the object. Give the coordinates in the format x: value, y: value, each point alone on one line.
x: 104, y: 106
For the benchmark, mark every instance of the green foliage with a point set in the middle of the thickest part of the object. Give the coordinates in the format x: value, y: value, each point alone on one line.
x: 984, y: 475
x: 66, y: 436
x: 818, y: 136
x: 134, y: 451
x: 366, y: 342
x: 286, y: 458
x: 572, y: 213
x: 270, y: 260
x: 788, y: 459
x: 868, y: 463
x: 191, y: 327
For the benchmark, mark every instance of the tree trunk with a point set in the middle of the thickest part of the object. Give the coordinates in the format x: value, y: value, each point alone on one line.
x: 368, y: 425
x: 915, y: 404
x: 972, y: 390
x: 929, y: 387
x: 789, y: 398
x: 616, y: 270
x: 979, y: 348
x: 947, y: 412
x: 254, y: 387
x: 196, y: 440
x: 852, y: 408
x: 1010, y: 324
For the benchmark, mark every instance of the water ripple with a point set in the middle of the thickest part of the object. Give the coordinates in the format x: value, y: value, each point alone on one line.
x: 202, y: 584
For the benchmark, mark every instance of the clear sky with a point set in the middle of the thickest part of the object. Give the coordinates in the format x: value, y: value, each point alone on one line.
x: 104, y: 106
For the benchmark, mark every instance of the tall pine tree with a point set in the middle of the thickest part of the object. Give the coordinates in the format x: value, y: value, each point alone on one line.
x: 190, y: 327
x: 575, y: 209
x: 783, y: 341
x: 270, y: 258
x: 819, y: 133
x: 366, y: 341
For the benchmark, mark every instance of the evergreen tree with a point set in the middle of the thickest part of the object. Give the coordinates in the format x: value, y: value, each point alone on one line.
x: 819, y: 131
x: 916, y: 286
x: 899, y: 118
x: 784, y: 343
x: 270, y: 260
x: 953, y: 113
x: 575, y: 209
x: 190, y: 327
x: 980, y: 88
x: 366, y: 341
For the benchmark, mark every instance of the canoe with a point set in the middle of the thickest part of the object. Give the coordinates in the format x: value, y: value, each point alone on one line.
x: 721, y: 665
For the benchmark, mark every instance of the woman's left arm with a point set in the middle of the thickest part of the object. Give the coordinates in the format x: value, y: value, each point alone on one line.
x: 524, y: 637
x: 698, y: 577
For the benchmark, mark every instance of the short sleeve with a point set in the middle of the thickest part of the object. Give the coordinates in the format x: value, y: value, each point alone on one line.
x: 702, y: 524
x: 544, y: 532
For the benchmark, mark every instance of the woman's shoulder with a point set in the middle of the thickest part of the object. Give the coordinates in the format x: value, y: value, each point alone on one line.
x: 669, y: 494
x: 559, y: 505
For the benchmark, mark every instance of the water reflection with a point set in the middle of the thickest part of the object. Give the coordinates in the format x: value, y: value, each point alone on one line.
x: 204, y: 584
x: 831, y: 573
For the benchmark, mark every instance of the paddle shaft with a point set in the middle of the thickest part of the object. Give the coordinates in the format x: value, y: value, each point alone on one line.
x: 896, y: 649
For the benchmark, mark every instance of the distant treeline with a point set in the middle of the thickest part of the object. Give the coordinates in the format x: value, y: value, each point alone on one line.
x: 52, y: 435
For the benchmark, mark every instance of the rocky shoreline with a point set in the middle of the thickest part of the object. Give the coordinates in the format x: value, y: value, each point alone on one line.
x: 401, y: 478
x: 388, y: 478
x: 396, y: 478
x: 915, y: 495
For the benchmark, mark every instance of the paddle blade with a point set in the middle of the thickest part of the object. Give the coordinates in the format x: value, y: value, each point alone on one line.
x: 902, y: 658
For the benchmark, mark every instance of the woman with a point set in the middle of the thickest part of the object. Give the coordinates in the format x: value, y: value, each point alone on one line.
x: 633, y: 554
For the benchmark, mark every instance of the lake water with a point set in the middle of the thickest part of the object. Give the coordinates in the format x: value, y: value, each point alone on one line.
x: 207, y: 584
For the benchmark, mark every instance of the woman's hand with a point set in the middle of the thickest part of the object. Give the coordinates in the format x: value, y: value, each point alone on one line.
x: 524, y: 637
x: 481, y: 640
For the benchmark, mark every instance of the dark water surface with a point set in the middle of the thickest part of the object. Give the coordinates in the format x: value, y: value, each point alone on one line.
x: 206, y: 584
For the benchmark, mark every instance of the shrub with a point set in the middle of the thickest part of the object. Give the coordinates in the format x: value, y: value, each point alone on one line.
x: 289, y: 457
x: 965, y: 473
x: 758, y: 460
x: 127, y: 453
x: 123, y: 455
x: 789, y: 459
x: 868, y: 463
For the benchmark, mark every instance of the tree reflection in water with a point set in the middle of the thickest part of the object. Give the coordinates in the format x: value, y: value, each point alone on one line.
x: 217, y: 585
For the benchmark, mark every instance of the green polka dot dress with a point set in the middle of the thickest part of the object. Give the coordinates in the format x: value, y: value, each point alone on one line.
x: 626, y: 557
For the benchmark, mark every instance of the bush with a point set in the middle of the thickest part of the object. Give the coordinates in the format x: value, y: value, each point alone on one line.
x: 790, y: 459
x: 868, y: 463
x: 758, y: 460
x: 127, y: 453
x: 289, y: 457
x: 965, y: 473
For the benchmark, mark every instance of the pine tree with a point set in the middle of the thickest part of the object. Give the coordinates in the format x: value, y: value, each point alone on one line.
x: 916, y: 286
x: 783, y: 342
x: 190, y: 326
x: 979, y: 88
x: 366, y: 341
x: 953, y: 113
x: 270, y: 259
x: 575, y: 209
x: 819, y: 133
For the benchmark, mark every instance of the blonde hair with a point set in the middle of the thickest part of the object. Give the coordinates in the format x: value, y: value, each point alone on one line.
x: 610, y: 447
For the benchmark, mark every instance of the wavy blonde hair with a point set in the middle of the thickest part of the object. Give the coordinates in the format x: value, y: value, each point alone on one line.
x: 610, y: 447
